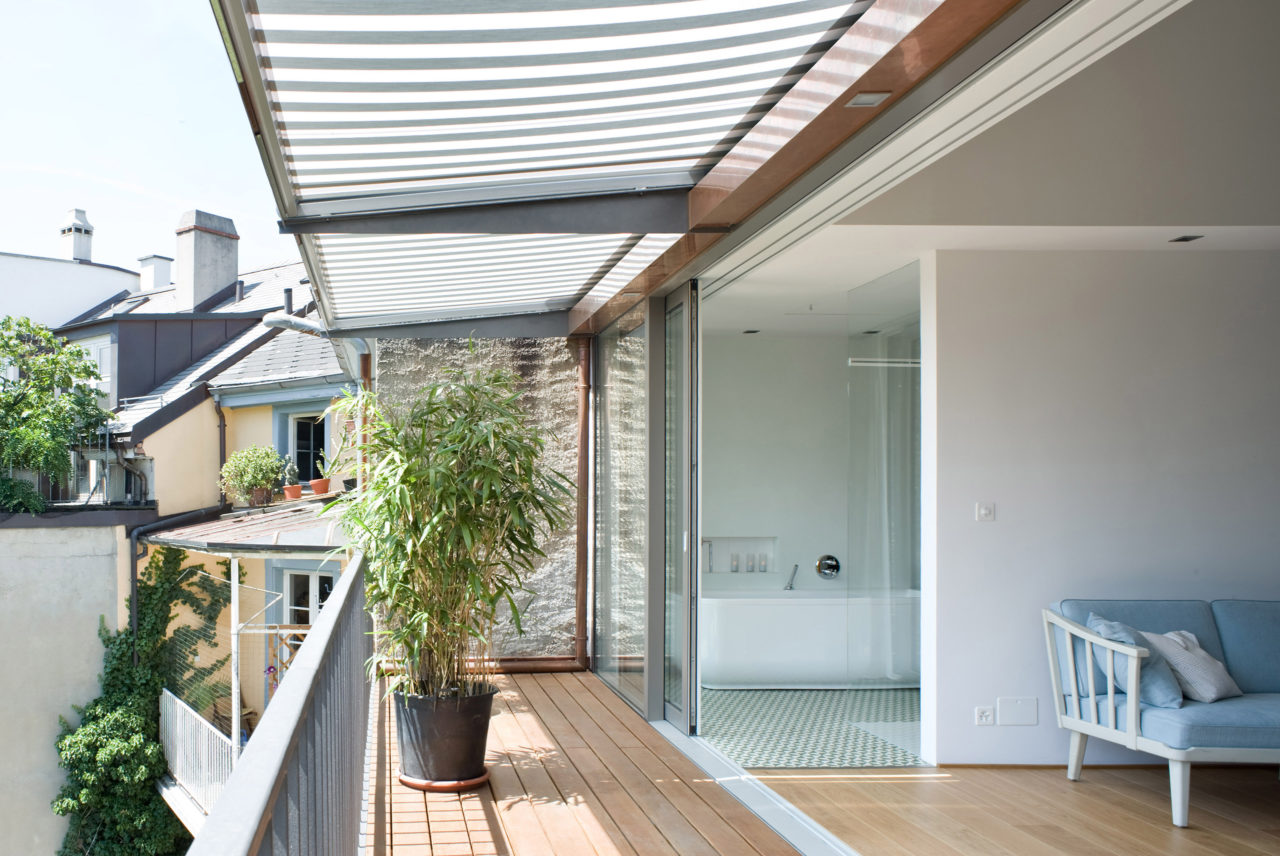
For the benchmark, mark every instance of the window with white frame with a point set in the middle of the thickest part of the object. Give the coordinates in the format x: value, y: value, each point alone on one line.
x: 100, y: 353
x: 304, y: 593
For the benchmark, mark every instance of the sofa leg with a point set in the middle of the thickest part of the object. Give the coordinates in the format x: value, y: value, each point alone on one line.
x: 1075, y: 755
x: 1180, y: 790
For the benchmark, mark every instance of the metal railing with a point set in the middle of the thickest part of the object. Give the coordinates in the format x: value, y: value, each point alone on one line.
x: 199, y: 755
x: 297, y: 788
x: 97, y: 477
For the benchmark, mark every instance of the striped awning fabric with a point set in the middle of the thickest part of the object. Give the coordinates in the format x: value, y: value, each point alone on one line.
x: 379, y: 106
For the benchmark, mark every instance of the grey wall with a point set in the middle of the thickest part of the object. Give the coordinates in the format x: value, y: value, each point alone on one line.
x: 1121, y: 411
x: 549, y: 366
x: 55, y: 583
x: 150, y: 351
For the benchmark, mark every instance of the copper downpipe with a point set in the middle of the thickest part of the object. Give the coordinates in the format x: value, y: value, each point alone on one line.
x: 582, y: 523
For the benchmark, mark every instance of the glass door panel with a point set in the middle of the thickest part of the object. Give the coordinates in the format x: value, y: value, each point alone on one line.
x: 622, y: 519
x: 677, y: 518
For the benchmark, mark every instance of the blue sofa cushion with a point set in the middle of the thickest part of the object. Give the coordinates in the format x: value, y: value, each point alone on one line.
x: 1250, y: 632
x: 1159, y: 687
x: 1243, y: 722
x: 1152, y: 616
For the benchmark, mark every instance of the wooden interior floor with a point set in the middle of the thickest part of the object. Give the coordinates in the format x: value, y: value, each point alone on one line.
x: 573, y: 770
x: 1037, y: 811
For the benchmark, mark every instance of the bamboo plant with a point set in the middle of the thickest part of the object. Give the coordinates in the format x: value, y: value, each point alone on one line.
x: 451, y: 516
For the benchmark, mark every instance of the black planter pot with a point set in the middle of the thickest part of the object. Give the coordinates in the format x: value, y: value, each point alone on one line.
x: 442, y: 740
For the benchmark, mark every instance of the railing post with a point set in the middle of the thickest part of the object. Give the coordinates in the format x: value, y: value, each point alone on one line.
x: 235, y: 661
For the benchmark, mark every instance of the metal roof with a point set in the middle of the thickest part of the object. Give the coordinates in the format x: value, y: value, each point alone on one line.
x: 263, y: 290
x: 295, y: 529
x: 374, y: 109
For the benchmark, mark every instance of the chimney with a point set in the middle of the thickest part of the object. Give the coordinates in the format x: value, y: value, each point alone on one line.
x: 208, y: 258
x: 288, y: 301
x: 155, y: 272
x: 239, y: 290
x: 77, y: 236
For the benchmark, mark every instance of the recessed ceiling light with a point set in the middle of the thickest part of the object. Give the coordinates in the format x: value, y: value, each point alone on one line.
x: 1186, y: 239
x: 749, y: 332
x: 868, y: 99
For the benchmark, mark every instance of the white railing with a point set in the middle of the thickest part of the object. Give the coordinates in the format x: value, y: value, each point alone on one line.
x: 199, y: 755
x: 298, y: 786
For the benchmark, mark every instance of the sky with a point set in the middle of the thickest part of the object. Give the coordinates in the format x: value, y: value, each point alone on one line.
x: 129, y: 111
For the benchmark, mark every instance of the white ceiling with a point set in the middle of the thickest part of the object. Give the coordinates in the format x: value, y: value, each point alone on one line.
x: 1082, y: 153
x: 865, y: 269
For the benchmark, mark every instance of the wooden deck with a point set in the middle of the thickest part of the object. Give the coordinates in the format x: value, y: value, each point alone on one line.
x: 574, y: 771
x: 1036, y: 811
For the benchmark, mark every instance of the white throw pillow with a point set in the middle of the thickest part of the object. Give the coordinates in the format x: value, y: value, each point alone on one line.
x: 1201, y: 677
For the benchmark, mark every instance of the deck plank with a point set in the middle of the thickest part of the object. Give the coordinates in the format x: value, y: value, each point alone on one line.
x: 571, y: 774
x: 763, y: 839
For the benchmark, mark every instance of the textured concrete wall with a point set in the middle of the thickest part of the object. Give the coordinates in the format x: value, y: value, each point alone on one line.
x: 55, y: 583
x: 549, y: 368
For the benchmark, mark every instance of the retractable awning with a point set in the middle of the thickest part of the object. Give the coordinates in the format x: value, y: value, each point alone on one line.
x: 461, y: 160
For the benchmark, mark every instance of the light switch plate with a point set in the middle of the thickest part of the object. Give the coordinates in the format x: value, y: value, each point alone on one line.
x: 1012, y: 710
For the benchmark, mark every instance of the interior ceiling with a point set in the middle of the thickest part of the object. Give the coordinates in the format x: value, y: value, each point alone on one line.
x: 776, y: 296
x: 1046, y: 167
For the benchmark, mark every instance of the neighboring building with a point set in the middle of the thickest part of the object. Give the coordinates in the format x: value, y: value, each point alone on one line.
x: 160, y: 347
x: 57, y: 291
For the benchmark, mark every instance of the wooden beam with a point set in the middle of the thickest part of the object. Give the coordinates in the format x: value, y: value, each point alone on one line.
x: 892, y: 48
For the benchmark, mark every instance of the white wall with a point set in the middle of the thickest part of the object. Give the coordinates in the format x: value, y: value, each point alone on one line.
x: 1145, y: 137
x: 54, y: 585
x: 53, y: 291
x: 775, y: 449
x: 1121, y: 409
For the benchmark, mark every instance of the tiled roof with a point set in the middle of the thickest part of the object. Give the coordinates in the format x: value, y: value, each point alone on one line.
x: 289, y: 356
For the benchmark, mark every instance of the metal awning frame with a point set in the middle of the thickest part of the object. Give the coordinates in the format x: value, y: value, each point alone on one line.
x: 809, y: 122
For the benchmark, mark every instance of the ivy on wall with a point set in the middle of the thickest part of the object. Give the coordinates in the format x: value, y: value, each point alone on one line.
x: 113, y: 757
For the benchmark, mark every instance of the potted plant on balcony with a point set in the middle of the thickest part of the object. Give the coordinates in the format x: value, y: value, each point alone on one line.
x: 451, y: 515
x: 250, y: 475
x: 292, y: 490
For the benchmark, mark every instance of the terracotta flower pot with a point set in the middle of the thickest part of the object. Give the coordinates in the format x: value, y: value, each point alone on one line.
x: 293, y: 491
x: 319, y: 485
x: 261, y: 496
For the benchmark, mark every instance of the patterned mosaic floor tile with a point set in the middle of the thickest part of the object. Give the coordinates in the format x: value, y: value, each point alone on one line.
x: 813, y: 728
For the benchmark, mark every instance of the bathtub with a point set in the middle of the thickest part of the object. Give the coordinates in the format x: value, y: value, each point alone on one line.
x: 800, y: 639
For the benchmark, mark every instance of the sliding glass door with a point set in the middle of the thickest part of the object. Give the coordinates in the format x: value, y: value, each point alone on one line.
x: 679, y: 532
x: 622, y: 502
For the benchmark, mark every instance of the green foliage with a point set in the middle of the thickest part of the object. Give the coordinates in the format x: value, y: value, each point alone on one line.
x: 113, y: 757
x: 290, y: 472
x: 247, y: 469
x: 20, y: 495
x: 450, y: 517
x: 49, y: 408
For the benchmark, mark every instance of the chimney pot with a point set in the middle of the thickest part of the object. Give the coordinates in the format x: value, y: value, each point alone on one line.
x: 77, y: 236
x: 239, y: 290
x: 155, y: 272
x: 288, y: 301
